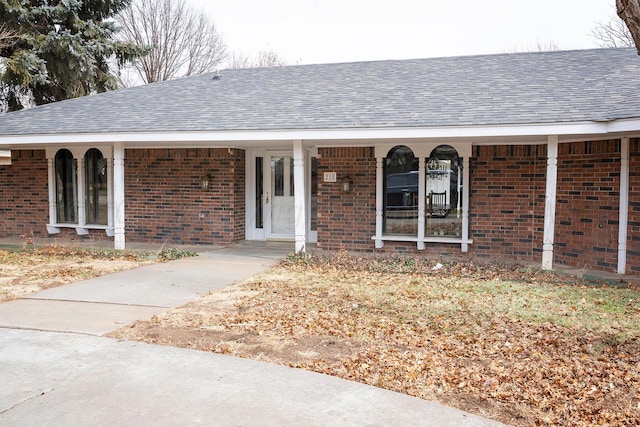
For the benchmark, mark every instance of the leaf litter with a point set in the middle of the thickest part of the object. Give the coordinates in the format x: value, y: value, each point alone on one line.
x: 516, y: 344
x: 32, y: 269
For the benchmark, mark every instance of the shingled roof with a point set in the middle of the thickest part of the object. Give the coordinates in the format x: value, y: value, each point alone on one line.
x: 516, y: 88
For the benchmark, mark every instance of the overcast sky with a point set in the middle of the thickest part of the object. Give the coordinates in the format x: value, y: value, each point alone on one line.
x: 322, y: 31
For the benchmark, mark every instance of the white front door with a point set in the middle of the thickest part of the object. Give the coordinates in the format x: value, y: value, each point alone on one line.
x: 279, y: 197
x: 270, y: 196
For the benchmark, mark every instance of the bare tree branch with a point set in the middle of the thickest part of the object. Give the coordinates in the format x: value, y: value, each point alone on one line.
x: 612, y: 34
x: 270, y: 59
x: 262, y: 59
x: 183, y: 40
x: 539, y: 46
x: 542, y: 46
x: 629, y: 12
x: 239, y: 60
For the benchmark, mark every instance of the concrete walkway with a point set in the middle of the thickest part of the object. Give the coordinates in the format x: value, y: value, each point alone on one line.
x: 100, y: 305
x: 57, y: 368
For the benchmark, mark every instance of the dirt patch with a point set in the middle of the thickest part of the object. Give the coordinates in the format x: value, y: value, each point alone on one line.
x: 32, y: 270
x: 517, y: 345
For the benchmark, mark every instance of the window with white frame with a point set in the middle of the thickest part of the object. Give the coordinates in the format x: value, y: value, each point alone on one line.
x: 66, y: 176
x: 96, y: 186
x: 80, y: 189
x: 443, y: 194
x: 421, y: 194
x: 401, y: 178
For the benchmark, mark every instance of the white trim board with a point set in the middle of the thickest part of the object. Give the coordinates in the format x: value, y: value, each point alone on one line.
x: 260, y: 137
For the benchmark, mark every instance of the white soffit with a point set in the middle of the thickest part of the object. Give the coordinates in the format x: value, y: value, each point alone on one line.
x: 259, y: 137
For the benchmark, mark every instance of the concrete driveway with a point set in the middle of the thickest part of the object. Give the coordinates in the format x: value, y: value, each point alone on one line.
x: 56, y: 368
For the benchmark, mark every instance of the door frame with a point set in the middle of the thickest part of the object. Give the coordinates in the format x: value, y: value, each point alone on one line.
x: 263, y: 234
x: 267, y: 183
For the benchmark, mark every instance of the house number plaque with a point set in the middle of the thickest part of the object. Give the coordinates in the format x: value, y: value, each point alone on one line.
x: 330, y: 177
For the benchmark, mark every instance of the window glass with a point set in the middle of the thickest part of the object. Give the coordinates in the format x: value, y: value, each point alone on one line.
x: 97, y: 205
x: 314, y: 193
x: 259, y: 193
x: 277, y: 171
x: 401, y: 192
x: 66, y: 187
x: 444, y: 193
x: 291, y: 179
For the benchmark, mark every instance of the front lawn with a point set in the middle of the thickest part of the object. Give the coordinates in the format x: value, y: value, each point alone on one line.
x: 517, y: 345
x: 30, y: 269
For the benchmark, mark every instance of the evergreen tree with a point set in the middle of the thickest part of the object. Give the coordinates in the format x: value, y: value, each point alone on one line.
x: 63, y: 49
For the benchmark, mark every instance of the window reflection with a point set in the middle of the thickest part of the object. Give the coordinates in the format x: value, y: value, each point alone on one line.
x: 401, y: 191
x: 66, y: 187
x: 444, y: 193
x: 96, y: 187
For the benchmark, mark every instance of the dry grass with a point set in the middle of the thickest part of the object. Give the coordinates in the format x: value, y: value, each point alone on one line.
x: 30, y: 270
x: 521, y: 346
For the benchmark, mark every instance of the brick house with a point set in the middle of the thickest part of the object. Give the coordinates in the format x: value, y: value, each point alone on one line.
x: 533, y: 156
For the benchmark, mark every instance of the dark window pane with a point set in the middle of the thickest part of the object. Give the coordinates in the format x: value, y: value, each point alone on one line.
x: 259, y: 193
x: 401, y: 192
x: 314, y: 193
x: 66, y: 187
x: 291, y: 179
x: 96, y: 187
x: 277, y: 169
x: 444, y: 193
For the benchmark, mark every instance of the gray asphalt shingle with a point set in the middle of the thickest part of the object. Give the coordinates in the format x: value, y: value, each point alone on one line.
x: 517, y: 88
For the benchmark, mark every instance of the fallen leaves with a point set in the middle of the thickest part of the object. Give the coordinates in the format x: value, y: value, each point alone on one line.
x: 516, y: 344
x: 33, y: 269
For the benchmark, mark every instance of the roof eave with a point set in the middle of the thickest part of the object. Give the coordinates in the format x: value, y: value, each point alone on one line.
x: 240, y: 138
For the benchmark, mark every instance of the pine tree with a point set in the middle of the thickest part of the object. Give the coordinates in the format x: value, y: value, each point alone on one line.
x: 62, y: 49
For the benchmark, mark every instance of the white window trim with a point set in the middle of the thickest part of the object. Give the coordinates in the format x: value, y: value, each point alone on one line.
x: 81, y: 227
x: 5, y: 157
x: 251, y: 232
x: 421, y: 150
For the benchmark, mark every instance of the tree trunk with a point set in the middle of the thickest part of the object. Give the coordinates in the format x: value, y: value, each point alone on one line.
x: 629, y: 12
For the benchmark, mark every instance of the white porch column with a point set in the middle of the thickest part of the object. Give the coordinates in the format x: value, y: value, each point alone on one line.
x: 550, y: 202
x: 465, y: 203
x: 421, y: 202
x: 300, y: 221
x: 82, y: 211
x: 379, y: 243
x: 53, y: 217
x: 624, y: 205
x: 118, y: 195
x: 110, y: 197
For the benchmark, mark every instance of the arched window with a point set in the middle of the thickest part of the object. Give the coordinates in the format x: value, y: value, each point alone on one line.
x: 401, y: 191
x: 95, y: 167
x: 66, y: 187
x: 444, y: 192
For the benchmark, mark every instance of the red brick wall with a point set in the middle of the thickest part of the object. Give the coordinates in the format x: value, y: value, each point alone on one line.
x: 506, y: 207
x: 347, y: 220
x: 587, y: 209
x: 164, y: 200
x: 24, y: 197
x: 633, y: 240
x: 507, y: 201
